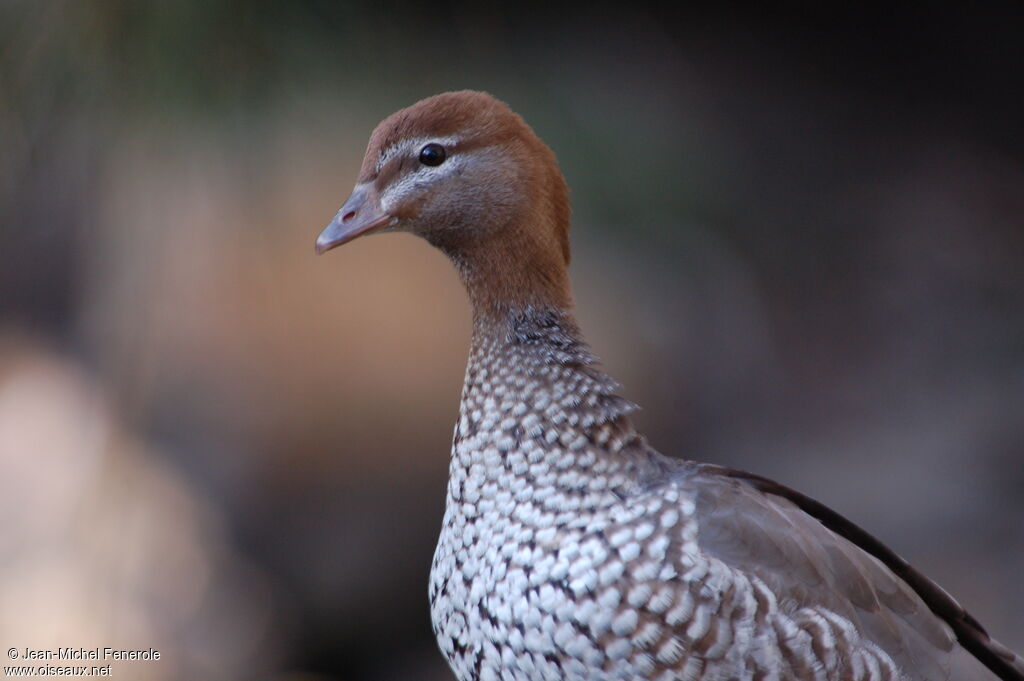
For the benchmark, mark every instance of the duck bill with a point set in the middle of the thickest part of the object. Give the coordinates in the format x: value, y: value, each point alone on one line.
x: 361, y: 214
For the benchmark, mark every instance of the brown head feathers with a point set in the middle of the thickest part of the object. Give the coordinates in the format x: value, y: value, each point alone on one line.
x: 488, y: 193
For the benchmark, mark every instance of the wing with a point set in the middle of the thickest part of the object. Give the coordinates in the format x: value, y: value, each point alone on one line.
x: 811, y: 556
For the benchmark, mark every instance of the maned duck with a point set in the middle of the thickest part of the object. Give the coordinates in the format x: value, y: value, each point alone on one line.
x: 570, y: 548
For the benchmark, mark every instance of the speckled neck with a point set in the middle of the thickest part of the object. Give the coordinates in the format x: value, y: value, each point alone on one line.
x: 535, y: 403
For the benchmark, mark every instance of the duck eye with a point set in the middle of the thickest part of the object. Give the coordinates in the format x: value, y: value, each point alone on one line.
x: 432, y: 155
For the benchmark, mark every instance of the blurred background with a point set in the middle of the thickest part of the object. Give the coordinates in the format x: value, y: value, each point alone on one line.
x: 799, y: 243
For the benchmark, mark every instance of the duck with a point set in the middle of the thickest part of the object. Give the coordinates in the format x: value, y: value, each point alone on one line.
x: 570, y: 548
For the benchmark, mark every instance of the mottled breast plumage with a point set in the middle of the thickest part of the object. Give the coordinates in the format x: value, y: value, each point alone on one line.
x: 572, y: 550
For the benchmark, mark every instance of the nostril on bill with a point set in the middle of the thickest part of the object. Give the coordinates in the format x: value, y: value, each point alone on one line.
x: 348, y: 216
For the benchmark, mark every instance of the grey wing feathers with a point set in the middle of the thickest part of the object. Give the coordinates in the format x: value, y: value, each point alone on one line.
x: 811, y: 555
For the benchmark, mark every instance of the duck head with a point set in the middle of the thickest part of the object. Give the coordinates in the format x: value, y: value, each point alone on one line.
x: 467, y: 174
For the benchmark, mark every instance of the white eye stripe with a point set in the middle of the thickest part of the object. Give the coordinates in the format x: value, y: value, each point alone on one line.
x: 396, y: 190
x: 413, y: 145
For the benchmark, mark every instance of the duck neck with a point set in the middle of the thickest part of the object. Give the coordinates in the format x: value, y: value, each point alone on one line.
x: 502, y: 284
x: 514, y: 260
x: 534, y: 400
